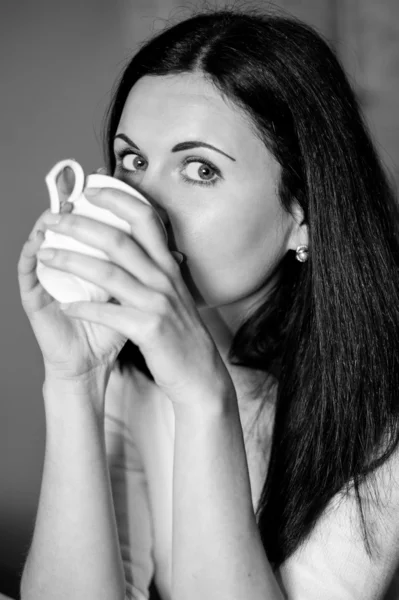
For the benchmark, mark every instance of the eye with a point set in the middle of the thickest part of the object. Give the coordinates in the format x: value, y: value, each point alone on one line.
x: 199, y: 170
x: 130, y: 161
x: 205, y: 172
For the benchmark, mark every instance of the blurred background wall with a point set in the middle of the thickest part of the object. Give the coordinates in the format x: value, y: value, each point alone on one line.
x: 59, y: 61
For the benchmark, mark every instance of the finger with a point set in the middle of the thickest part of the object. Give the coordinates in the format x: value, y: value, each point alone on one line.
x: 120, y: 284
x: 28, y: 260
x: 121, y: 248
x: 66, y: 207
x: 125, y: 320
x: 102, y: 171
x: 65, y: 183
x: 146, y: 225
x: 40, y: 224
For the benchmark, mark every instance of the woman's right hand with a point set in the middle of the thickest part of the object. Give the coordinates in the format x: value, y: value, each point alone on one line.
x: 71, y: 348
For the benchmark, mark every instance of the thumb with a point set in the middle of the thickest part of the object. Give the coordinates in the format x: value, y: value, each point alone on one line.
x: 65, y: 184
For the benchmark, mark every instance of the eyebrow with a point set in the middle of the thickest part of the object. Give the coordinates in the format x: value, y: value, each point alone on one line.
x: 178, y: 147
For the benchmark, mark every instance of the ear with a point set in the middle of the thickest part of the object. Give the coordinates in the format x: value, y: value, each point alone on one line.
x: 299, y: 233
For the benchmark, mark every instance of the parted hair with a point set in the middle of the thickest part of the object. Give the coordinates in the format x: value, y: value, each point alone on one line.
x: 329, y: 330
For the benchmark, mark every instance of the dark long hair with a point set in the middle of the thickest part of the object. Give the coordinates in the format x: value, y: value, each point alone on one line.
x: 329, y: 331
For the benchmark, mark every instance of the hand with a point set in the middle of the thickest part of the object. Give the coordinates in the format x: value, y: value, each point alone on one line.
x: 154, y: 307
x: 71, y: 349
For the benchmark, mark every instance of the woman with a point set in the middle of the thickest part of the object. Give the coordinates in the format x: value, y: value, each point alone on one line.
x: 251, y: 428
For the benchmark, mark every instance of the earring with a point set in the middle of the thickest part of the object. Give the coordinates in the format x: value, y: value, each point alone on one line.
x: 302, y: 253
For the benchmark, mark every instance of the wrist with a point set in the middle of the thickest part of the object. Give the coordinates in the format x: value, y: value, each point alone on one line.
x: 89, y: 387
x: 92, y: 379
x: 206, y: 406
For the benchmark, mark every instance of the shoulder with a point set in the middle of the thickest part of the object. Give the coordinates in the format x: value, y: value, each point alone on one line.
x: 334, y: 556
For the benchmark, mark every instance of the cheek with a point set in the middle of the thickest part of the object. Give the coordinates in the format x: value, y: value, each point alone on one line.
x: 233, y: 260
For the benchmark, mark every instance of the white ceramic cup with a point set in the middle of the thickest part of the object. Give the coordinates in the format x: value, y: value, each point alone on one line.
x: 63, y: 286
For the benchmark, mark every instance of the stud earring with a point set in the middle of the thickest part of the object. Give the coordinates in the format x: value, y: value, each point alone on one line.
x: 302, y: 253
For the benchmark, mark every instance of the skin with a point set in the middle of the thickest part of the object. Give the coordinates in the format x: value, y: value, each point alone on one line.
x: 232, y: 233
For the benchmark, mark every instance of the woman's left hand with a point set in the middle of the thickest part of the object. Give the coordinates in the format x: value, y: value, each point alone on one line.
x: 155, y: 311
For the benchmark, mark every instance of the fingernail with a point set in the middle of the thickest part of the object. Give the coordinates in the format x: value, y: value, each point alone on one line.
x: 91, y: 191
x: 64, y: 305
x: 66, y: 207
x: 46, y: 254
x: 52, y: 218
x: 34, y: 235
x: 178, y: 256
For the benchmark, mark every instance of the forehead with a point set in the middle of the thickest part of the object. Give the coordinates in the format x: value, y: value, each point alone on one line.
x: 185, y: 104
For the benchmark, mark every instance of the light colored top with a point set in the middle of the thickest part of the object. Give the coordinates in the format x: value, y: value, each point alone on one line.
x: 331, y: 565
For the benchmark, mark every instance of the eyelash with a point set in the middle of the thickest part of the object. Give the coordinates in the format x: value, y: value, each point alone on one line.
x: 127, y: 151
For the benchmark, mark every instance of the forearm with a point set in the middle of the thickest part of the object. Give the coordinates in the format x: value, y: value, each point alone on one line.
x: 75, y: 550
x: 217, y: 550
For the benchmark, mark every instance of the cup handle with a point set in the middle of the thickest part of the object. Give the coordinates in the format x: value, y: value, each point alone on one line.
x: 51, y: 182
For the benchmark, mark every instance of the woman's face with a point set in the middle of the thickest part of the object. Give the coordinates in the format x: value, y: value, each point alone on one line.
x: 221, y: 202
